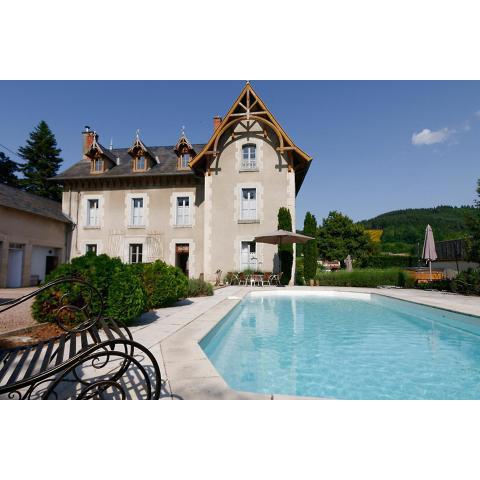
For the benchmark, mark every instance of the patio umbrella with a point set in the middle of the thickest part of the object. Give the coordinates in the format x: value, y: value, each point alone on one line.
x: 283, y: 237
x: 429, y: 252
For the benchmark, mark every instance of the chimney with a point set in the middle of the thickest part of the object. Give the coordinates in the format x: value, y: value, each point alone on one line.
x: 87, y: 139
x: 216, y: 122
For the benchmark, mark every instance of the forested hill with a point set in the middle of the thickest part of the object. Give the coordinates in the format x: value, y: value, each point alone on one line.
x: 408, y: 226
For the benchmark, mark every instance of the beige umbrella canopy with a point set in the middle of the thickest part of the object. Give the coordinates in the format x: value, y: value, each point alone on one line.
x: 429, y: 252
x: 282, y: 237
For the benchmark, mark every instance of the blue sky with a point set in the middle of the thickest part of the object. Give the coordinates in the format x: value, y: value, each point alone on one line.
x: 377, y: 146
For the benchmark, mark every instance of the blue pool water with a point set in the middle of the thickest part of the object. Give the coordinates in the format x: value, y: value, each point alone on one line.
x: 349, y: 347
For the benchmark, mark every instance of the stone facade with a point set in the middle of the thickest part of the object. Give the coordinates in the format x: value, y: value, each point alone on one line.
x: 202, y: 216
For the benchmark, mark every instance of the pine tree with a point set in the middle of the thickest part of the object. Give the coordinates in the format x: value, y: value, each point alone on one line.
x: 42, y: 162
x: 285, y: 252
x: 310, y: 250
x: 8, y: 169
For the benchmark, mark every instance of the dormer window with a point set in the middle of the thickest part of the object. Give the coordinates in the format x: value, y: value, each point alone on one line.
x: 249, y: 157
x: 140, y: 164
x: 97, y: 165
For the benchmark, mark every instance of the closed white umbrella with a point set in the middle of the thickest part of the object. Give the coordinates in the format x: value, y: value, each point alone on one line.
x: 429, y: 253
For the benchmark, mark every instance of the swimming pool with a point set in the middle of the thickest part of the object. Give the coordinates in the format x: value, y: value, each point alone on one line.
x: 347, y: 346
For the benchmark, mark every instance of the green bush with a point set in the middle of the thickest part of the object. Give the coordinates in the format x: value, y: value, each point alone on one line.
x: 467, y: 283
x: 127, y: 290
x: 199, y: 288
x: 388, y: 261
x: 97, y: 270
x: 163, y: 283
x: 126, y: 298
x: 443, y: 285
x: 367, y: 278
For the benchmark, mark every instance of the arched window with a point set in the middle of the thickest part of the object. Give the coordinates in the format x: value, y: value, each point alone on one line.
x: 249, y: 157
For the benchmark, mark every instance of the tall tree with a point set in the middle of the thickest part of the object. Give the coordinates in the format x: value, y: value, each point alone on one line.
x: 285, y: 252
x: 42, y: 162
x: 339, y: 237
x: 310, y: 250
x: 473, y: 223
x: 8, y: 170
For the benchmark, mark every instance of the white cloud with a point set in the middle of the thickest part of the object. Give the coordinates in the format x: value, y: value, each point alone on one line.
x: 477, y: 113
x: 429, y: 137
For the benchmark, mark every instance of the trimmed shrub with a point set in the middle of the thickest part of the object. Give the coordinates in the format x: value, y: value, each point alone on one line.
x: 367, y: 278
x: 467, y: 283
x: 97, y: 270
x: 199, y: 288
x: 127, y: 290
x: 310, y: 248
x: 126, y: 298
x: 285, y: 252
x: 388, y: 261
x: 164, y: 284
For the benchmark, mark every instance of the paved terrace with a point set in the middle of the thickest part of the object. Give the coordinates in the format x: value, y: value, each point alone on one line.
x: 172, y: 334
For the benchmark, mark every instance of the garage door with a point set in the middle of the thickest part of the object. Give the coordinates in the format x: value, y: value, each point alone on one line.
x: 14, y: 269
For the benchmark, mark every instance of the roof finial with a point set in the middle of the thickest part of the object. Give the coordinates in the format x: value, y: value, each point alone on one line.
x: 138, y: 134
x: 111, y: 143
x: 183, y: 131
x: 247, y: 82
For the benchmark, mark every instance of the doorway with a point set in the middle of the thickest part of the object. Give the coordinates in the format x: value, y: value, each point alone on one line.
x: 15, y: 265
x: 182, y: 251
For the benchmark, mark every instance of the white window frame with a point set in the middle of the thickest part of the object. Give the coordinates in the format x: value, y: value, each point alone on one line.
x: 174, y: 217
x: 249, y: 163
x: 248, y: 206
x: 129, y: 210
x: 131, y: 253
x: 137, y: 212
x: 252, y: 260
x: 93, y: 220
x: 183, y: 212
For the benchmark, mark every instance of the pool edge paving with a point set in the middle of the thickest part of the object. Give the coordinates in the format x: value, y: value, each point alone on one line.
x: 190, y: 373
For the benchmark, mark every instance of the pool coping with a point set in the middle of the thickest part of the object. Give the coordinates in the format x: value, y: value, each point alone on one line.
x: 191, y: 375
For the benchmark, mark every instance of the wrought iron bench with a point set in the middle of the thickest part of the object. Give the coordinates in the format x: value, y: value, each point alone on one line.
x: 95, y: 359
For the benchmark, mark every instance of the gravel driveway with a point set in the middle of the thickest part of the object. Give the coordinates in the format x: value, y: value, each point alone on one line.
x: 17, y: 317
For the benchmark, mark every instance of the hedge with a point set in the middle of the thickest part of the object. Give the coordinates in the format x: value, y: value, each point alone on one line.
x: 128, y: 290
x: 367, y: 278
x: 388, y: 261
x: 199, y: 288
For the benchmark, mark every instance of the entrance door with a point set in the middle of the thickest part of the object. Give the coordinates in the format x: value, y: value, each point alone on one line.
x: 51, y: 263
x: 14, y: 269
x: 181, y: 257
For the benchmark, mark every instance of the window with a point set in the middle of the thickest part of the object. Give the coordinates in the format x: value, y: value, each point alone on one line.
x: 98, y: 165
x: 183, y: 211
x: 92, y: 213
x: 249, y: 159
x: 141, y: 163
x: 137, y: 212
x: 249, y: 204
x: 184, y: 159
x: 135, y: 252
x: 248, y: 259
x: 91, y: 248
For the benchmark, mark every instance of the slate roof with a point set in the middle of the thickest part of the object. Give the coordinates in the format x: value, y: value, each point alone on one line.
x: 28, y: 202
x: 167, y: 165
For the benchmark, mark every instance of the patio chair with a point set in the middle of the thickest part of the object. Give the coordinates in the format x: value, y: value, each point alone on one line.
x: 275, y: 279
x: 96, y: 359
x: 218, y: 278
x: 266, y: 278
x: 243, y: 279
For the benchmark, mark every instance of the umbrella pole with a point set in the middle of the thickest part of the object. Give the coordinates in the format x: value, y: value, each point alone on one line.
x: 430, y: 266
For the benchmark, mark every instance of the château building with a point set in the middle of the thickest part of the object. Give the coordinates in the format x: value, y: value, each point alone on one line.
x: 197, y: 206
